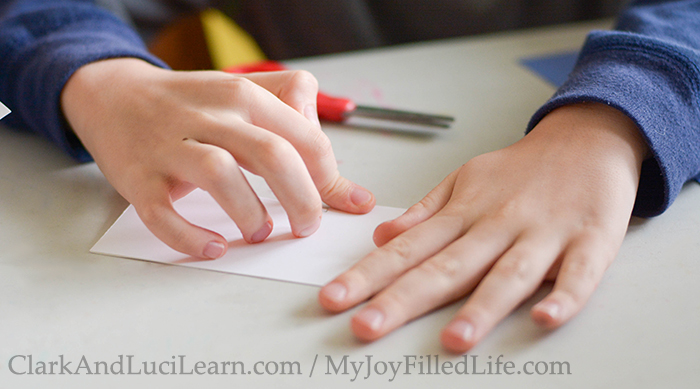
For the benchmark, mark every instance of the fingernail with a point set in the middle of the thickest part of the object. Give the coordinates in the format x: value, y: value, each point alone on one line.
x: 371, y: 318
x: 461, y: 329
x: 360, y: 196
x: 262, y: 233
x: 553, y: 310
x: 311, y: 114
x: 214, y: 250
x: 335, y: 292
x: 310, y: 230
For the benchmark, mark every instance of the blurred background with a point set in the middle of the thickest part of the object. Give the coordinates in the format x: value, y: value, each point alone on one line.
x: 201, y: 34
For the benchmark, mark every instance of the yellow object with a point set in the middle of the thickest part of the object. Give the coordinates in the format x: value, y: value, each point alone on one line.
x: 228, y: 44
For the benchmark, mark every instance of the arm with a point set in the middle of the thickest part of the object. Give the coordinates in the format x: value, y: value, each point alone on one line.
x: 648, y: 69
x: 42, y: 43
x: 554, y: 205
x: 157, y: 134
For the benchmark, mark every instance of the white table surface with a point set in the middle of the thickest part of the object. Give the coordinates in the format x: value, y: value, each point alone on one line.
x: 640, y: 329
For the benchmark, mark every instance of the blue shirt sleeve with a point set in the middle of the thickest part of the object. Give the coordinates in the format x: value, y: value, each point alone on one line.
x: 647, y: 68
x: 42, y: 43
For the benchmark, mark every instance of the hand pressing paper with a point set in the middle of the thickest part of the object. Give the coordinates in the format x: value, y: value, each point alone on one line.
x: 342, y: 240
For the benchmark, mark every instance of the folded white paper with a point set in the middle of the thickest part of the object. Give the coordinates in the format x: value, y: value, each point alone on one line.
x: 342, y: 240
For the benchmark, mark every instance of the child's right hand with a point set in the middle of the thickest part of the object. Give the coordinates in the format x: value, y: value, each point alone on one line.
x: 157, y: 134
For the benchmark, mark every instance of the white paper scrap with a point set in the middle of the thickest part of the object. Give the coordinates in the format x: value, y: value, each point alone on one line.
x: 3, y: 110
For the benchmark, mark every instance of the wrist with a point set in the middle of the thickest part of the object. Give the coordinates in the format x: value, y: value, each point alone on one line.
x: 95, y: 87
x: 594, y: 128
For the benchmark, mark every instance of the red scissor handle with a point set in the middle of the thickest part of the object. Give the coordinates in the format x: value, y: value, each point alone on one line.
x: 262, y: 66
x: 329, y: 108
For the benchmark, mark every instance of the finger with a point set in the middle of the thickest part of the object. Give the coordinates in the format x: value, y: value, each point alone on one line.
x: 447, y: 276
x: 272, y: 112
x: 581, y: 270
x: 296, y: 88
x: 418, y: 213
x: 385, y: 264
x: 155, y: 209
x: 278, y: 162
x: 216, y: 171
x: 513, y: 277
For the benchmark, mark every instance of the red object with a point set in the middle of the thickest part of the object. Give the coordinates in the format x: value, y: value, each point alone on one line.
x: 338, y: 109
x: 330, y: 108
x: 262, y: 66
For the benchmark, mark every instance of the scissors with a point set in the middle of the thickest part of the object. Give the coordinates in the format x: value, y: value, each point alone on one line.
x: 338, y: 109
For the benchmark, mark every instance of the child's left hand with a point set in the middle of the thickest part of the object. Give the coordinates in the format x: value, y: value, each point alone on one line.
x: 555, y: 205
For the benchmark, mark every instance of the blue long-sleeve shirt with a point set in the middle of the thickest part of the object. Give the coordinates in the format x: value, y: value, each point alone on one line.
x: 647, y: 68
x: 42, y: 43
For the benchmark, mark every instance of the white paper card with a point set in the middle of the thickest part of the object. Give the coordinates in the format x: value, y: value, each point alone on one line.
x: 342, y: 240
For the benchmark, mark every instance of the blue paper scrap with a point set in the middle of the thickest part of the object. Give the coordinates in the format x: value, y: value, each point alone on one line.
x: 553, y: 68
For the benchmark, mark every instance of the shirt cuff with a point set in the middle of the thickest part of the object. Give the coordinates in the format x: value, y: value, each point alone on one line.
x: 656, y: 85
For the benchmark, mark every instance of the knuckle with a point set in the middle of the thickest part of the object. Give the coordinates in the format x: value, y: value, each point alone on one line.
x: 277, y: 153
x: 240, y: 88
x: 395, y: 301
x: 514, y: 267
x: 399, y: 249
x: 445, y: 267
x: 319, y: 145
x: 454, y: 217
x: 216, y: 165
x: 240, y: 84
x: 303, y: 78
x: 583, y: 270
x: 510, y: 210
x: 365, y: 275
x: 359, y: 276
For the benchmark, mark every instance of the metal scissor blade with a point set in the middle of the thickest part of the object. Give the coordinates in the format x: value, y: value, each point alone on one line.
x: 441, y: 121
